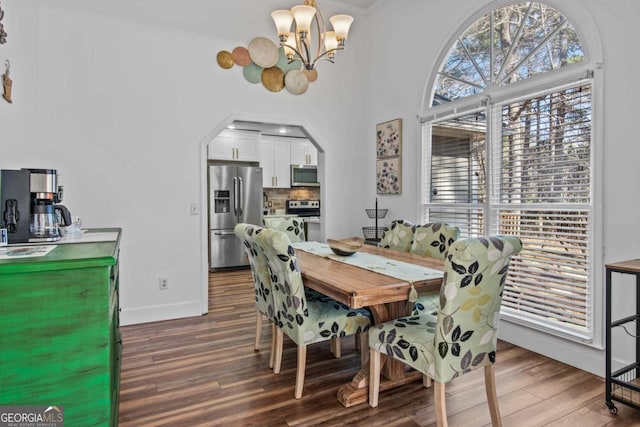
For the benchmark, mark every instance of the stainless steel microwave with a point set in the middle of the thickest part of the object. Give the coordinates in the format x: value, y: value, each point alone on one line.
x: 304, y: 176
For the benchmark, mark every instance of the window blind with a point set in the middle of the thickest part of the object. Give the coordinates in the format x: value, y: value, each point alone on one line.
x: 543, y: 195
x: 457, y: 187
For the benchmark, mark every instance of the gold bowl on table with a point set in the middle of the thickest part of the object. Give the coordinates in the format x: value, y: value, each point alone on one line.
x: 345, y: 247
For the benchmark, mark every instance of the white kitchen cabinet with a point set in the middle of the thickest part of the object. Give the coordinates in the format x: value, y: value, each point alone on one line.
x: 303, y: 152
x: 275, y: 160
x: 235, y: 145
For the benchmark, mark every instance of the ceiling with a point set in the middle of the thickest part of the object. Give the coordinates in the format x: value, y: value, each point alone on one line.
x: 270, y: 129
x: 362, y: 4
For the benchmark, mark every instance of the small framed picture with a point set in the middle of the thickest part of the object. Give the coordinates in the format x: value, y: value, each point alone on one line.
x: 389, y: 175
x: 4, y: 237
x: 389, y: 138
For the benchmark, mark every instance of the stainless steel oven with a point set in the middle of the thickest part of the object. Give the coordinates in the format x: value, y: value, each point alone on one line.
x: 304, y: 176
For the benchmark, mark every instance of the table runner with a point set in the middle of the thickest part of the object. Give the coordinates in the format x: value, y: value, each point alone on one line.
x: 390, y: 267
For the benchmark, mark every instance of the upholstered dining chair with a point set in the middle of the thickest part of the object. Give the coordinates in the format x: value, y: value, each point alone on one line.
x: 304, y: 320
x: 293, y: 227
x: 463, y: 335
x: 432, y: 240
x: 261, y: 280
x: 399, y: 236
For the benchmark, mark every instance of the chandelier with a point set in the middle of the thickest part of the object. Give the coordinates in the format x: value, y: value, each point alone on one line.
x: 292, y: 65
x: 299, y: 44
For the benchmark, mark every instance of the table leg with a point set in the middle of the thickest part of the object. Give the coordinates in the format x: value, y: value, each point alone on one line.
x: 394, y: 374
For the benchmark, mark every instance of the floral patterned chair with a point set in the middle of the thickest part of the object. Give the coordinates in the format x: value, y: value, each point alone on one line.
x: 432, y: 240
x: 294, y: 227
x: 463, y: 335
x: 399, y: 236
x: 261, y: 280
x: 304, y: 320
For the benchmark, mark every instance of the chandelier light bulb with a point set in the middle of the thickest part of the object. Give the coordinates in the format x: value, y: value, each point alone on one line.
x: 303, y: 15
x: 283, y: 19
x: 341, y: 24
x: 289, y: 46
x: 330, y: 43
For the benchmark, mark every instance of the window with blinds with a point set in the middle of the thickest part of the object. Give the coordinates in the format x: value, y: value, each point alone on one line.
x: 536, y: 167
x: 522, y: 167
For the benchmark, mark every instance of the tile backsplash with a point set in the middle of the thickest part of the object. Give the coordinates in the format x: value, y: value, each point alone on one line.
x: 279, y: 196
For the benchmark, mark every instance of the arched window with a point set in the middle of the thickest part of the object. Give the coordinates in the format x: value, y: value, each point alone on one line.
x: 507, y: 45
x: 507, y: 149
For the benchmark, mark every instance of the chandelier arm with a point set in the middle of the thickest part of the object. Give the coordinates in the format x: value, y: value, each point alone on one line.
x: 297, y: 53
x: 321, y: 56
x: 323, y: 59
x: 306, y: 60
x: 321, y: 31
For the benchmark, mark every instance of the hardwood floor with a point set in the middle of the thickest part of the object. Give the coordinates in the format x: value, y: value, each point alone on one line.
x: 203, y: 371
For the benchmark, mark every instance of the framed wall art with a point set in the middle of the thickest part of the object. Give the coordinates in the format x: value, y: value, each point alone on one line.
x: 389, y: 138
x: 389, y: 157
x: 389, y: 175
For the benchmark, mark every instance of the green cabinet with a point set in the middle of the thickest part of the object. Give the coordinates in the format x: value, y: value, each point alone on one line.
x: 59, y: 331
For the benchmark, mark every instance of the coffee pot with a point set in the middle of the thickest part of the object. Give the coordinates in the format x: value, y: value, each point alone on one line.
x: 29, y: 205
x: 43, y: 223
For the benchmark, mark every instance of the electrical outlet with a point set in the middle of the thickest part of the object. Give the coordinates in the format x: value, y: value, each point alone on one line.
x: 193, y: 209
x: 164, y: 283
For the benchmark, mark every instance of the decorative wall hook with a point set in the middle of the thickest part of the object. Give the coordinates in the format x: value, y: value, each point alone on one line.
x: 6, y: 83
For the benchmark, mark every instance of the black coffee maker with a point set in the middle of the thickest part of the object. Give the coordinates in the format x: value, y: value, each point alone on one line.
x: 29, y: 203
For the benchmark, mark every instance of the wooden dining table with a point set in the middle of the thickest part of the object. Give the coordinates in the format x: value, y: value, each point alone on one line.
x: 385, y: 296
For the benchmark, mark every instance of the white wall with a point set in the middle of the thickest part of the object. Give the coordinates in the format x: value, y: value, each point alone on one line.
x: 18, y: 120
x: 124, y: 93
x: 119, y: 96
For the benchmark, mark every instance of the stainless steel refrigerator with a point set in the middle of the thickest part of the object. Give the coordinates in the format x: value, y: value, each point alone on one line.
x: 235, y: 196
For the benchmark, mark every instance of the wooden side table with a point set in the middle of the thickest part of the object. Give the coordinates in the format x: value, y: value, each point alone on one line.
x: 622, y: 385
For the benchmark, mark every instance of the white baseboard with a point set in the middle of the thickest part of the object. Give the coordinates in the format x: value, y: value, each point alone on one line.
x: 578, y: 355
x: 134, y: 316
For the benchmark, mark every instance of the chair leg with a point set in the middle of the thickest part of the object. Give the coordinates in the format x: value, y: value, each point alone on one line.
x: 273, y: 344
x: 256, y: 346
x: 334, y: 346
x: 441, y: 407
x: 364, y: 350
x: 426, y: 381
x: 278, y: 353
x: 492, y: 396
x: 302, y: 362
x: 374, y: 377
